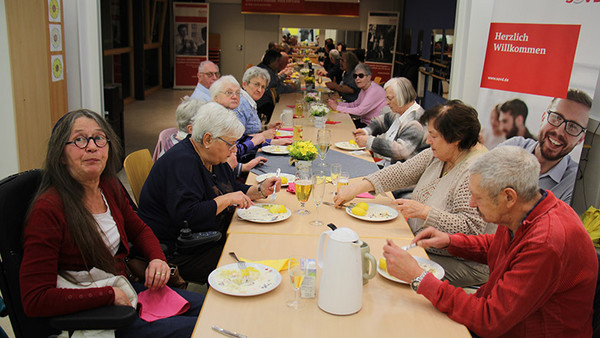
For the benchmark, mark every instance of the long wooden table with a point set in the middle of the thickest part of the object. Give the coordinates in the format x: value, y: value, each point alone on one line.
x: 389, y: 308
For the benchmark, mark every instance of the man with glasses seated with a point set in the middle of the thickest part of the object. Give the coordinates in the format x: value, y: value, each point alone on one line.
x: 208, y: 73
x: 564, y: 128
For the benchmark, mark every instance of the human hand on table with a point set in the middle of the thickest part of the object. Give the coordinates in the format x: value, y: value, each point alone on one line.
x: 246, y: 167
x: 258, y: 138
x: 359, y: 132
x: 331, y: 85
x: 361, y: 140
x: 431, y: 237
x: 282, y: 141
x: 400, y: 263
x: 236, y: 198
x: 270, y: 185
x: 332, y: 104
x: 275, y: 125
x: 410, y: 208
x: 157, y: 274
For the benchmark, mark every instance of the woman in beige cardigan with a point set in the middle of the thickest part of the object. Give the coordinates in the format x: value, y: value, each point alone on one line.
x: 441, y: 196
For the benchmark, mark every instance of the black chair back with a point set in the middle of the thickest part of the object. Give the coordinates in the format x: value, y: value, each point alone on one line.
x: 16, y: 194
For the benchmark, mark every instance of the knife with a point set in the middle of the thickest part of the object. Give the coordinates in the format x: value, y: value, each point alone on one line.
x: 228, y: 333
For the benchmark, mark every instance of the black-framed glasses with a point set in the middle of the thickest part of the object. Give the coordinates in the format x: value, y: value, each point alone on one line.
x: 211, y: 74
x: 359, y: 75
x: 231, y: 145
x: 571, y: 127
x: 82, y: 142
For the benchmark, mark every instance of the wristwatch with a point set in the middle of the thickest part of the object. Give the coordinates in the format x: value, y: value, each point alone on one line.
x: 414, y: 284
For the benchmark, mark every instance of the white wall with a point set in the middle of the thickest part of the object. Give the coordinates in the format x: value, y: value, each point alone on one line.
x: 8, y: 137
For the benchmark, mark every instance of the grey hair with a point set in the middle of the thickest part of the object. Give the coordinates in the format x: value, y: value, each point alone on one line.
x: 187, y: 109
x: 364, y: 67
x: 218, y: 85
x: 335, y: 54
x: 403, y: 90
x: 255, y: 71
x: 217, y: 120
x: 508, y: 166
x: 204, y: 63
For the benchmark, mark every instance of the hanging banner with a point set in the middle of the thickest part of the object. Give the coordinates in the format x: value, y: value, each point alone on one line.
x: 381, y: 43
x: 531, y: 65
x: 190, y: 25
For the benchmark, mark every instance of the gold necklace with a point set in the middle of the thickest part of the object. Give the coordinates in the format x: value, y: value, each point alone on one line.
x: 448, y: 166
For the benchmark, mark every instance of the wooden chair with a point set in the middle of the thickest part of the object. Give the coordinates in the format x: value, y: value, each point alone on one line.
x: 137, y: 167
x: 377, y: 80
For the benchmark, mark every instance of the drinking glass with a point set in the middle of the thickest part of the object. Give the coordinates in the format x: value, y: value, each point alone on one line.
x: 342, y: 180
x: 323, y: 142
x: 299, y: 107
x: 298, y: 129
x: 336, y: 170
x: 303, y: 185
x: 318, y: 190
x: 297, y: 272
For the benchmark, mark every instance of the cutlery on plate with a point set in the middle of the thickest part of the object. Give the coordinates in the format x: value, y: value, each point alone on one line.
x: 241, y: 264
x: 274, y: 195
x: 228, y: 333
x: 351, y: 205
x: 408, y: 247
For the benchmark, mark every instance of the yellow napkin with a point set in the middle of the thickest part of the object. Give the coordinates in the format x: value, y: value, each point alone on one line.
x: 277, y: 264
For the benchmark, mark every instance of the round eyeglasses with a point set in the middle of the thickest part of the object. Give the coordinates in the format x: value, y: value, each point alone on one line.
x: 82, y: 142
x: 571, y: 127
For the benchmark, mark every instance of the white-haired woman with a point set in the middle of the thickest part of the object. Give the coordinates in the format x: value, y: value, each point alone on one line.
x: 192, y: 183
x: 397, y: 134
x: 370, y: 101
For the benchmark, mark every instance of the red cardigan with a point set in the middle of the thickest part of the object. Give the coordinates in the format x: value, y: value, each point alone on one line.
x: 541, y: 282
x: 48, y: 248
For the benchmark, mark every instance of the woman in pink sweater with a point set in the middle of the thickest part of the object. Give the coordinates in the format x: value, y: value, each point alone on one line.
x: 370, y: 101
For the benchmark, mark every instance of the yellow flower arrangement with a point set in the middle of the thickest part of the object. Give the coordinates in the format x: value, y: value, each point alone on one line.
x: 303, y: 151
x: 306, y: 59
x: 309, y: 79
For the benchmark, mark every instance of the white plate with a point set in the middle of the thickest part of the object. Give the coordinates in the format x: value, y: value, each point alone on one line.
x: 348, y: 146
x: 285, y: 133
x: 275, y: 150
x: 263, y: 177
x: 225, y: 279
x: 424, y: 263
x: 376, y: 213
x: 259, y: 214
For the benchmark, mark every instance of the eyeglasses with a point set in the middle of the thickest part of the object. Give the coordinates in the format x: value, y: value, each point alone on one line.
x: 258, y: 85
x: 571, y: 127
x: 389, y: 98
x: 211, y: 74
x: 231, y: 145
x: 360, y: 75
x: 232, y: 94
x: 82, y: 142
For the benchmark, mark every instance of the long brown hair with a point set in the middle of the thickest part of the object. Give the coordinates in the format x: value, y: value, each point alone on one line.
x: 82, y: 225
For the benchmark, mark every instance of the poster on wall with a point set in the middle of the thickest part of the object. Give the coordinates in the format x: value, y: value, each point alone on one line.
x: 190, y: 27
x: 538, y: 81
x: 381, y: 43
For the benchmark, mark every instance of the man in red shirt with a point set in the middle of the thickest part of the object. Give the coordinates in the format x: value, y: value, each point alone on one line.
x: 543, y: 266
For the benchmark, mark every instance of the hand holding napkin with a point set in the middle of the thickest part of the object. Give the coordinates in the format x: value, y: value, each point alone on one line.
x: 365, y: 195
x: 161, y: 303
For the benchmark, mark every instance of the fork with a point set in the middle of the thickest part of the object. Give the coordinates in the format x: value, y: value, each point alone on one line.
x: 274, y: 195
x: 241, y: 264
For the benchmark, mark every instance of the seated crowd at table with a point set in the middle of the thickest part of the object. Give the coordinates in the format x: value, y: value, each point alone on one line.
x: 535, y: 274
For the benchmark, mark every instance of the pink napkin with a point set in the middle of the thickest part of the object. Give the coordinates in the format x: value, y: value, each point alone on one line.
x: 291, y: 188
x: 333, y: 122
x: 365, y: 195
x: 287, y: 129
x: 161, y: 303
x: 291, y: 106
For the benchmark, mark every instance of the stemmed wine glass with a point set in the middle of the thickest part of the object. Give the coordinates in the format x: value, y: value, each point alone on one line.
x: 336, y: 170
x: 303, y: 185
x: 297, y: 272
x: 323, y: 142
x: 318, y: 190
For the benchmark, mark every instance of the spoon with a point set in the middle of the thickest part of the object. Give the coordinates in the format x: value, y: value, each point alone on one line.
x: 274, y: 195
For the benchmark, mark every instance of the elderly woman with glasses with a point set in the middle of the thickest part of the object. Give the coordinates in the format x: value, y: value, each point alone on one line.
x: 441, y: 198
x: 193, y: 184
x: 370, y: 101
x: 80, y: 226
x: 397, y: 134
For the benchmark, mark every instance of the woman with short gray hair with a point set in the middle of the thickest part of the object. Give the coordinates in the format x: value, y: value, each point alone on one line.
x: 397, y: 134
x: 370, y: 101
x: 193, y: 184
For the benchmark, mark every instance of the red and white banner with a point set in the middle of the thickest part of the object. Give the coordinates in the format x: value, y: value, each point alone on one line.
x: 381, y: 43
x: 305, y: 7
x: 190, y: 42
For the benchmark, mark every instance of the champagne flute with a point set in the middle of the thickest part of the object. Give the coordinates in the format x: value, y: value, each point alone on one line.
x: 297, y: 272
x: 303, y: 185
x: 342, y: 180
x: 323, y: 142
x: 336, y: 170
x: 318, y: 190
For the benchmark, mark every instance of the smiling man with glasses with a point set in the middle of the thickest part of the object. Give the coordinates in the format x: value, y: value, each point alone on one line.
x: 564, y: 127
x: 208, y: 73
